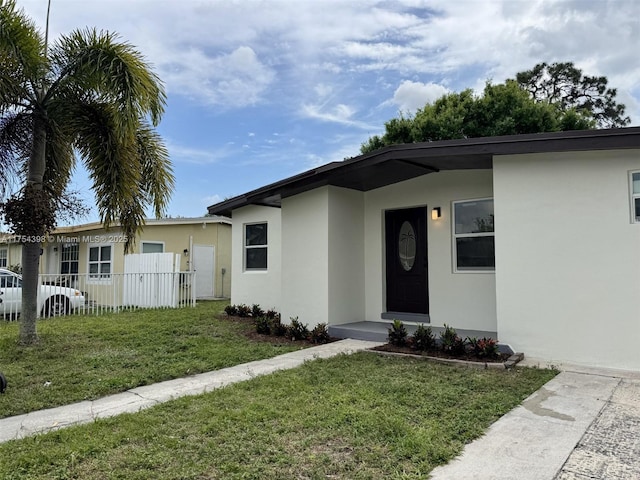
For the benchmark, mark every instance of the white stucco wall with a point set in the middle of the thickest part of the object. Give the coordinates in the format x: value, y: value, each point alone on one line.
x: 305, y: 240
x: 261, y: 287
x: 318, y: 286
x: 346, y: 259
x: 568, y: 257
x: 462, y: 300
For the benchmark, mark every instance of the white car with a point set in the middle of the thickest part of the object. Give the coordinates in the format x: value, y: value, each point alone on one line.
x: 53, y: 300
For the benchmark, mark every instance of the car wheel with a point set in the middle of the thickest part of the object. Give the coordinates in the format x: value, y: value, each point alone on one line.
x: 56, y: 306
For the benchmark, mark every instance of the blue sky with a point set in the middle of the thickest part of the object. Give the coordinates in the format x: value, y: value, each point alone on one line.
x: 262, y: 90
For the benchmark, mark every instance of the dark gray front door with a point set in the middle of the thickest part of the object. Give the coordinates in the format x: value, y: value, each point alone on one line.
x: 406, y: 260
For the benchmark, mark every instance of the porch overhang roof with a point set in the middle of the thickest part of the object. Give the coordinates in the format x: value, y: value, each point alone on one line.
x: 398, y: 163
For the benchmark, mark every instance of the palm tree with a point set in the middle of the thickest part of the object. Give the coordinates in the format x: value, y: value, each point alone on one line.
x: 88, y: 98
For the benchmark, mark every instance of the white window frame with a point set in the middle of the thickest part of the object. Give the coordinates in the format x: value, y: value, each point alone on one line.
x: 633, y: 197
x: 246, y: 247
x: 455, y: 236
x: 90, y: 277
x: 152, y: 242
x: 4, y: 257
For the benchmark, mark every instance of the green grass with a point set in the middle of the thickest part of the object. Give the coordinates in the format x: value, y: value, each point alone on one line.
x: 351, y: 417
x: 87, y: 357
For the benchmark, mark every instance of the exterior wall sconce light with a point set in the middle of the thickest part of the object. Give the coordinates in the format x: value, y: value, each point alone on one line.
x: 436, y: 213
x: 186, y: 252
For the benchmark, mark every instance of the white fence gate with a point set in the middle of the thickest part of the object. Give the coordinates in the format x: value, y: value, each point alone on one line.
x: 145, y: 283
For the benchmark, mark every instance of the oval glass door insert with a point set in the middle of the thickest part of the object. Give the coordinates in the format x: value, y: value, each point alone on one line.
x: 407, y: 246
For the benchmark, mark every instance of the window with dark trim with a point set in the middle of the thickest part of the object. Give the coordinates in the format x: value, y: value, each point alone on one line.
x: 4, y: 254
x: 69, y: 257
x: 634, y: 179
x: 473, y: 235
x: 255, y: 246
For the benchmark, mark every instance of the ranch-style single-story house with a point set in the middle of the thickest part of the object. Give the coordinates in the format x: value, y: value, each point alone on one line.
x: 408, y: 232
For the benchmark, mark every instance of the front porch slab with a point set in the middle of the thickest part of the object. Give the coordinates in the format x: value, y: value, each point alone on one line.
x: 378, y: 331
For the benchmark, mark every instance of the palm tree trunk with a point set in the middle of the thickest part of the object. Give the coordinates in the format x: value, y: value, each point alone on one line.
x: 30, y: 245
x: 30, y: 264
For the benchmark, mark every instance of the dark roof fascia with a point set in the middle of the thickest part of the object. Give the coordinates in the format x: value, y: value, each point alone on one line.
x: 573, y: 140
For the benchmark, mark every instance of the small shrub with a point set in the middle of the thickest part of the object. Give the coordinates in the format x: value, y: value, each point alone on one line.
x: 231, y: 310
x: 263, y: 325
x: 484, y: 347
x: 451, y: 342
x: 243, y: 310
x: 278, y: 328
x: 256, y: 311
x: 319, y: 334
x: 271, y: 314
x: 397, y: 334
x: 423, y: 338
x: 297, y: 330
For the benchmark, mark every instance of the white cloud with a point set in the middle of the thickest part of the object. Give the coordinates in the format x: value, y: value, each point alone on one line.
x: 410, y: 96
x: 323, y: 90
x: 199, y: 156
x: 236, y: 79
x: 340, y: 113
x: 212, y: 199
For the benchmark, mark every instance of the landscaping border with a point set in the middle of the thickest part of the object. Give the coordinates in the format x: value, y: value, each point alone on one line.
x: 508, y: 364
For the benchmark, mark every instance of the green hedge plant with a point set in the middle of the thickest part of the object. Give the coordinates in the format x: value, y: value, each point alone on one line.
x: 423, y: 338
x: 397, y: 334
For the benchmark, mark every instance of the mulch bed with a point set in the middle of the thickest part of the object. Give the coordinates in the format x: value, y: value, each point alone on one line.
x: 387, y: 347
x: 273, y: 339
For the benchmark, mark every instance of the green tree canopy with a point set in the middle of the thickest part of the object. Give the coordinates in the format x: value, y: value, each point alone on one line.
x: 88, y: 98
x: 502, y: 109
x: 565, y: 85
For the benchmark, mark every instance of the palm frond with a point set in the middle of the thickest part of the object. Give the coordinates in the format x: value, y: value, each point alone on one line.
x: 110, y: 70
x: 113, y: 164
x: 21, y: 53
x: 157, y: 173
x: 15, y: 144
x: 60, y: 159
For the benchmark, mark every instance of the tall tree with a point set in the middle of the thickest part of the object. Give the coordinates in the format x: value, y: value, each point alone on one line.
x: 565, y: 85
x: 502, y: 109
x: 89, y: 98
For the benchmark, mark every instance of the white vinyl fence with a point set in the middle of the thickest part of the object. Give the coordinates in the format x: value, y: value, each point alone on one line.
x: 103, y: 293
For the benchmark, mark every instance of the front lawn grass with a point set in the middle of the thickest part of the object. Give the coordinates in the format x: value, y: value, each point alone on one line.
x: 350, y: 417
x: 86, y: 357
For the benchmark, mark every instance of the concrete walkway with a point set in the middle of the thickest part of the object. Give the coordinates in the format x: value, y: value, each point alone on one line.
x: 139, y: 398
x: 582, y: 425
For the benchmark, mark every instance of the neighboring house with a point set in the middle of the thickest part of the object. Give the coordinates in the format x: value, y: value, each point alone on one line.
x: 10, y: 251
x: 408, y: 232
x: 203, y: 244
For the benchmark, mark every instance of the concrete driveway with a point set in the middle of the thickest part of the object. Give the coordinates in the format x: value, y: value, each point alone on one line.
x: 582, y: 425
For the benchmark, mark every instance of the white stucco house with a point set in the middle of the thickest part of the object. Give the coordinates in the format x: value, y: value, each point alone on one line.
x: 408, y: 232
